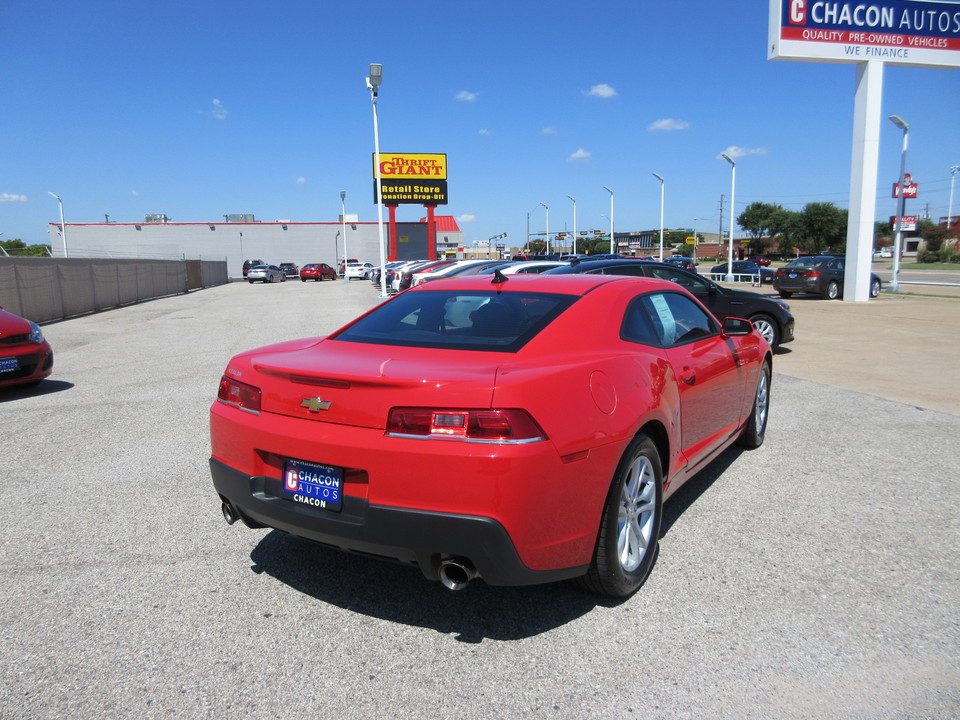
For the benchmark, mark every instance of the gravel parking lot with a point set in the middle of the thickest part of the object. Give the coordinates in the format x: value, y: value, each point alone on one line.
x: 815, y: 577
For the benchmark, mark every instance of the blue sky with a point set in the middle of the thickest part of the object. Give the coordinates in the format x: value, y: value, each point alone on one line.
x: 200, y: 109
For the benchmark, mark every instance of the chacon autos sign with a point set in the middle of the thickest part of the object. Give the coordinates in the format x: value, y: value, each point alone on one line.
x: 412, y: 178
x: 898, y: 32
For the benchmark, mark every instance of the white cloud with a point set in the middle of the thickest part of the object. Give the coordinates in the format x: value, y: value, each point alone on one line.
x: 667, y: 124
x: 484, y: 131
x: 219, y: 112
x: 466, y: 218
x: 549, y: 131
x: 7, y: 197
x: 301, y: 181
x: 135, y: 193
x: 466, y: 96
x: 580, y: 155
x: 602, y: 91
x: 738, y: 152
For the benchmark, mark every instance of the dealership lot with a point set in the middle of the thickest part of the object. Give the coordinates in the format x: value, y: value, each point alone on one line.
x: 814, y: 577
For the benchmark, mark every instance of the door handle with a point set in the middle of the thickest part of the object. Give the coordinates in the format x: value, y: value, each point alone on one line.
x: 688, y: 375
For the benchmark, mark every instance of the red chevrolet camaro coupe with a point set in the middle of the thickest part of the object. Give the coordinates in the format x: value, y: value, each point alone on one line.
x: 521, y: 430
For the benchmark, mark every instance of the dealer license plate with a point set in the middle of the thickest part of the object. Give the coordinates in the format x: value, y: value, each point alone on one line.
x: 313, y: 484
x: 9, y: 364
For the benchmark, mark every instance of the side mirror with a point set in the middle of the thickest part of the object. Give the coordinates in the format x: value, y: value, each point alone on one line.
x: 733, y: 327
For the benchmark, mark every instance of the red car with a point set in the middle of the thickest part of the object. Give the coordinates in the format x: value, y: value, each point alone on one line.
x: 25, y: 357
x: 521, y: 430
x: 759, y: 260
x: 318, y: 272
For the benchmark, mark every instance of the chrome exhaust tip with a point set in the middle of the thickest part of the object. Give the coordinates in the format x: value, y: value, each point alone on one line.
x: 229, y: 513
x: 456, y: 574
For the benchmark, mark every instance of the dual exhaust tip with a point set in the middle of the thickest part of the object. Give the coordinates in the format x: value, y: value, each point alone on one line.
x: 455, y: 573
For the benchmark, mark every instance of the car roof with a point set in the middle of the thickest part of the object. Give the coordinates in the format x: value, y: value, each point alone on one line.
x: 573, y: 284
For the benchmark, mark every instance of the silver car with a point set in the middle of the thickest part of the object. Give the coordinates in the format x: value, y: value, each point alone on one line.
x: 265, y: 273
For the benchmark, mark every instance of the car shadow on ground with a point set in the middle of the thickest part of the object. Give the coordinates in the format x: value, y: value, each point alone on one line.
x: 400, y: 593
x: 46, y: 387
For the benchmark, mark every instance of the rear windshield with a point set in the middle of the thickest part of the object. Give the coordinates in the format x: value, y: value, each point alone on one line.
x: 459, y: 320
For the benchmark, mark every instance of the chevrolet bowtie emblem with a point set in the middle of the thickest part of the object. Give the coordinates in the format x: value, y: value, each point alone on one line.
x: 315, y: 404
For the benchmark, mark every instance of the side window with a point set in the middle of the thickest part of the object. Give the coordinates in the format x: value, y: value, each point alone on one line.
x: 624, y: 270
x: 686, y: 280
x: 677, y: 319
x: 637, y: 326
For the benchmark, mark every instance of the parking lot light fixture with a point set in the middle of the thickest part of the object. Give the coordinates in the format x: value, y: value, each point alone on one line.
x: 63, y: 227
x: 662, y: 183
x: 612, y: 251
x: 547, y: 246
x: 898, y: 238
x: 733, y: 213
x: 953, y: 173
x: 373, y: 84
x: 343, y: 231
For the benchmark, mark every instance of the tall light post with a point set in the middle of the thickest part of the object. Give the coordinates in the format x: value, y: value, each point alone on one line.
x: 900, y: 123
x: 343, y: 230
x: 612, y: 251
x: 574, y: 250
x: 547, y: 252
x: 953, y: 172
x: 373, y: 84
x: 660, y: 178
x: 63, y: 227
x: 733, y: 213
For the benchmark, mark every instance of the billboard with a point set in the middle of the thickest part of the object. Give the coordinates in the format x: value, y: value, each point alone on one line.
x: 897, y: 32
x: 411, y: 178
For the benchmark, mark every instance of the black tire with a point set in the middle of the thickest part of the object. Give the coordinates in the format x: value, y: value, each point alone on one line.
x: 833, y: 290
x: 756, y: 428
x: 251, y: 282
x: 627, y: 542
x: 303, y: 279
x: 767, y: 327
x: 784, y: 294
x: 875, y: 287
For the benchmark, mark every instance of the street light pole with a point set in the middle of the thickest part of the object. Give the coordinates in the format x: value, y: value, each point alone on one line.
x: 63, y: 227
x: 373, y: 84
x: 612, y: 252
x: 547, y: 246
x: 733, y: 213
x: 953, y: 173
x: 658, y: 177
x: 343, y: 231
x: 574, y: 249
x: 901, y: 200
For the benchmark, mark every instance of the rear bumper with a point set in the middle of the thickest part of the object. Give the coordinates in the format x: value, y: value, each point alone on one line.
x: 416, y: 537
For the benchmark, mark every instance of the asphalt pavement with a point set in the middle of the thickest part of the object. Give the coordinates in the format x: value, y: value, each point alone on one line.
x: 816, y: 577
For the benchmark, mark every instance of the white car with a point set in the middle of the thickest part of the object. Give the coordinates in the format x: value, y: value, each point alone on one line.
x: 265, y: 273
x: 359, y: 270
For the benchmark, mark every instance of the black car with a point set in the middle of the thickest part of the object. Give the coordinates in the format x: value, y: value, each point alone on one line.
x: 819, y: 274
x: 770, y: 316
x: 290, y: 269
x: 680, y: 261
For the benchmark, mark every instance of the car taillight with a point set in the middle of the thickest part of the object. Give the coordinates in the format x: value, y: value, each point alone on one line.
x: 812, y: 273
x: 240, y: 395
x: 501, y: 426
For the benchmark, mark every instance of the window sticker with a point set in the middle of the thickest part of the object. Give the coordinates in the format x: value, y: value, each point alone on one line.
x: 666, y: 318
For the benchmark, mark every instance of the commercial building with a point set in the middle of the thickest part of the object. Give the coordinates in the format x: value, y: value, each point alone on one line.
x: 271, y: 242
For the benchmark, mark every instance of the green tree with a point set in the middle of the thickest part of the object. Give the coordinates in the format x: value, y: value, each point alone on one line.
x: 823, y: 226
x: 18, y: 247
x: 758, y: 219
